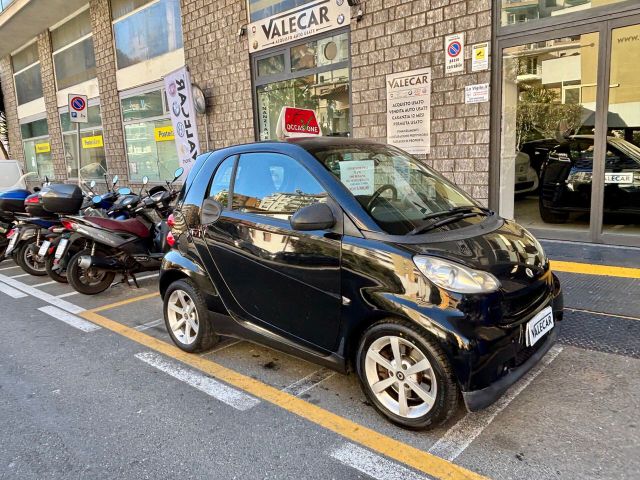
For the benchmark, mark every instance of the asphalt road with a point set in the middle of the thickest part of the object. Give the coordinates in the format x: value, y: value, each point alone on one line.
x: 95, y: 400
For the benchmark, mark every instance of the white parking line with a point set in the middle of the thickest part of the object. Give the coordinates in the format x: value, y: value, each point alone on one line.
x: 44, y: 283
x: 12, y: 292
x: 232, y: 397
x: 148, y: 325
x: 19, y: 275
x: 68, y: 294
x: 460, y: 436
x: 69, y: 319
x: 64, y: 305
x: 373, y: 465
x: 9, y: 268
x: 307, y: 383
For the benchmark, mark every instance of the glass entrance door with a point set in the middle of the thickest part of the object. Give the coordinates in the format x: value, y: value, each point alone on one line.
x: 620, y: 172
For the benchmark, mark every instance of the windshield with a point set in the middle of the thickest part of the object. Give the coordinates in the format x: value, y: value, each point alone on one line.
x: 400, y: 194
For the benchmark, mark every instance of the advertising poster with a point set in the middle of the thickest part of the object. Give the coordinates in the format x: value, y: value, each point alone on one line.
x: 183, y: 116
x: 454, y: 53
x: 409, y: 110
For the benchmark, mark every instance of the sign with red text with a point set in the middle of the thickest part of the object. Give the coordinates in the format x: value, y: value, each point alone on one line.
x: 183, y: 116
x: 454, y: 53
x: 318, y: 16
x: 409, y: 110
x: 297, y: 122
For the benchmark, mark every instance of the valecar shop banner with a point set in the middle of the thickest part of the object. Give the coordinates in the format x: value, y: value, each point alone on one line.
x: 183, y: 117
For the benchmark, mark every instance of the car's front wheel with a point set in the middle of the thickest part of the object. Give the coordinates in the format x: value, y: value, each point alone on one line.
x: 187, y: 318
x: 405, y: 375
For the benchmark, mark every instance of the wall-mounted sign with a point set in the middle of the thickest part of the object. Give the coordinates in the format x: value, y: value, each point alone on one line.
x: 315, y: 17
x: 454, y: 53
x: 183, y: 116
x: 297, y: 122
x: 43, y: 147
x: 476, y: 93
x: 92, y: 142
x: 480, y: 57
x: 408, y: 110
x: 163, y: 134
x: 78, y: 108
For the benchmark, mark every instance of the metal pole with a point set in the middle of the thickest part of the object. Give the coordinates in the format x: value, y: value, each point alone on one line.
x: 79, y: 154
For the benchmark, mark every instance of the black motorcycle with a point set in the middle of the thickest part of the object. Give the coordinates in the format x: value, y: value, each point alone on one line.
x: 127, y: 246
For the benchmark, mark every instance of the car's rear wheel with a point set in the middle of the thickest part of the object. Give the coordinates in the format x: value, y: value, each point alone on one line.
x: 405, y: 375
x: 187, y: 318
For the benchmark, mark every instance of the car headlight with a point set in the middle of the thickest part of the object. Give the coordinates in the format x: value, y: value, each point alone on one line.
x: 455, y: 277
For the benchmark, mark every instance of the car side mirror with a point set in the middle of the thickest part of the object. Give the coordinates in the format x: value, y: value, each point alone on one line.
x: 317, y: 216
x: 211, y: 211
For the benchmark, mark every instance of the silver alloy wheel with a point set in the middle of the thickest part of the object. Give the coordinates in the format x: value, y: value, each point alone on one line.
x: 401, y: 377
x: 183, y: 317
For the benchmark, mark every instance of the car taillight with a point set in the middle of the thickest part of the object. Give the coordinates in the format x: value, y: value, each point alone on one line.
x: 171, y: 221
x: 68, y: 225
x: 171, y: 240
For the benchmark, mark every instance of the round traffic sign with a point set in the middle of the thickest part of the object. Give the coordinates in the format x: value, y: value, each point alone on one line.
x: 454, y: 48
x: 78, y: 103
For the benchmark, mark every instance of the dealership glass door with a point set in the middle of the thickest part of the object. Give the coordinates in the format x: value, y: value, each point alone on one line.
x: 621, y: 189
x: 570, y: 133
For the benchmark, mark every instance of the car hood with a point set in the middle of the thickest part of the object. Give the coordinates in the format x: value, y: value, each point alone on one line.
x: 509, y: 252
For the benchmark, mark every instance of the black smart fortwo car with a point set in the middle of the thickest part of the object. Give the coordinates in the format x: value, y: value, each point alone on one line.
x: 355, y: 256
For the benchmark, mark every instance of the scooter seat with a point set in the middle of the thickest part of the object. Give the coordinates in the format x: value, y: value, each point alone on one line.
x: 132, y: 225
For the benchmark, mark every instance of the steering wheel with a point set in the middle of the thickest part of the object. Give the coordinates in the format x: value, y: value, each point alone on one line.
x: 379, y: 191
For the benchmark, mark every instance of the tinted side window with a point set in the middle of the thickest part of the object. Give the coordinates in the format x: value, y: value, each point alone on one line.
x: 274, y: 184
x: 219, y: 188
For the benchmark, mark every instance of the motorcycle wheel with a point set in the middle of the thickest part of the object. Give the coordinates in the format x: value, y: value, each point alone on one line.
x: 53, y: 274
x: 26, y: 257
x: 88, y: 281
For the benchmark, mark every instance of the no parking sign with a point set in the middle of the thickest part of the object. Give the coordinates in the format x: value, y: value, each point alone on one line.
x: 78, y: 105
x: 454, y: 53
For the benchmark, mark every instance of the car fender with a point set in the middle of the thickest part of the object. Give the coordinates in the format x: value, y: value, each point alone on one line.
x: 176, y: 265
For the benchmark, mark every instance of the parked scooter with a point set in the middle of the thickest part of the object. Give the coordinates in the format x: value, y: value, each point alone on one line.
x: 121, y: 246
x: 11, y: 204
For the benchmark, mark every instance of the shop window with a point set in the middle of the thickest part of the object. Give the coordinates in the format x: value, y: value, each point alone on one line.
x: 259, y: 9
x: 145, y: 29
x: 314, y: 75
x: 523, y: 11
x: 151, y: 149
x: 93, y: 163
x: 37, y: 148
x: 27, y: 75
x: 73, y: 55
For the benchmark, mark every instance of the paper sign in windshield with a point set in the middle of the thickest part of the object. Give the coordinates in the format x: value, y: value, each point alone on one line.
x: 357, y: 176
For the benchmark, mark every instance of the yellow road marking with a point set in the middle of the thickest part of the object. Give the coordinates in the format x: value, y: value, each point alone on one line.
x: 124, y: 302
x: 593, y: 269
x: 394, y: 449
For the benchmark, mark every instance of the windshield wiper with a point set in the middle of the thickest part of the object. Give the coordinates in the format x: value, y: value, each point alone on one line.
x: 452, y: 216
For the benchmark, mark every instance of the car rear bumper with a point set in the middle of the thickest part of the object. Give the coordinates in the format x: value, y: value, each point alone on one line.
x: 479, y: 399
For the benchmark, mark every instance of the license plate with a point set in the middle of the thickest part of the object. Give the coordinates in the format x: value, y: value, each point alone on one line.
x: 61, y: 248
x: 623, y: 177
x: 43, y: 248
x: 538, y: 326
x: 12, y: 243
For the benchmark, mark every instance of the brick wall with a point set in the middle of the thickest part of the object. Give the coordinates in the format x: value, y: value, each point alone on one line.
x: 400, y: 35
x: 219, y: 64
x: 51, y: 104
x: 11, y: 109
x: 112, y: 131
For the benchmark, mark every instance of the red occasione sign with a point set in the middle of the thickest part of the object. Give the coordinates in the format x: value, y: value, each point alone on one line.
x: 298, y: 122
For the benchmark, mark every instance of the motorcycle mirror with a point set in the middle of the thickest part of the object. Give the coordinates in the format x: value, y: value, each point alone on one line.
x: 124, y: 191
x: 36, y: 189
x: 115, y: 180
x: 92, y: 184
x: 97, y: 199
x: 145, y: 180
x: 177, y: 174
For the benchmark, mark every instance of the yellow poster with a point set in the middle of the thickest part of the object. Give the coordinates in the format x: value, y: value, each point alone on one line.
x: 92, y: 142
x: 43, y: 147
x: 163, y: 134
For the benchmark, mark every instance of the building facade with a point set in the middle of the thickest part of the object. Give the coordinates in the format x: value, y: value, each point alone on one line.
x: 505, y: 84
